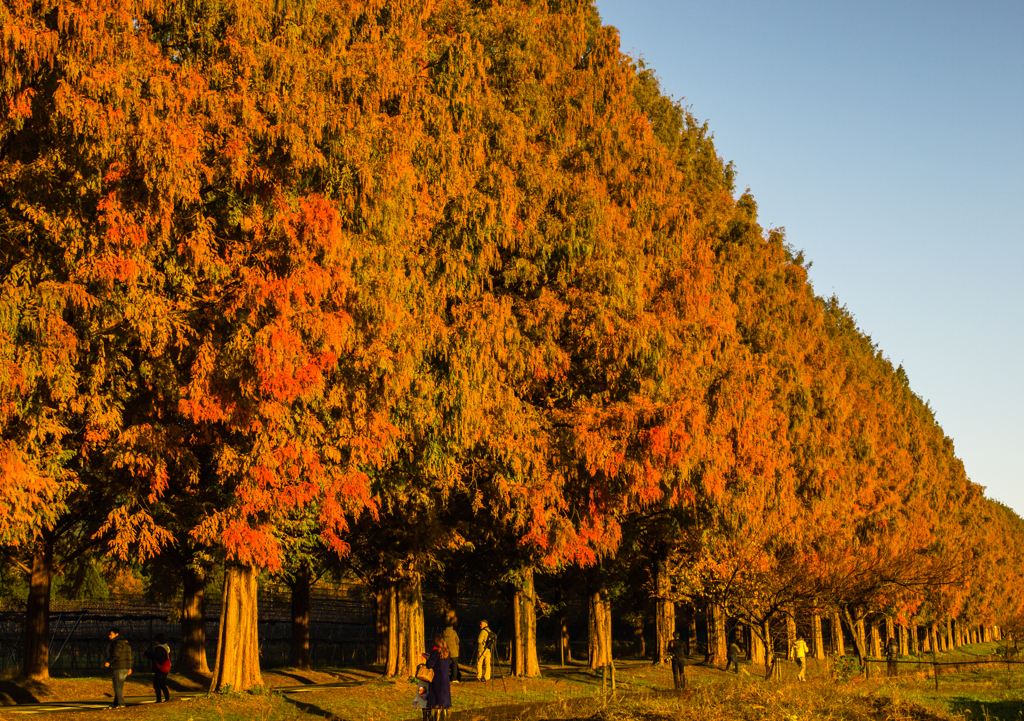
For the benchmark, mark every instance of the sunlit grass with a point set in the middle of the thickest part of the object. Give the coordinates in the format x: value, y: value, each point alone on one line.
x: 643, y: 693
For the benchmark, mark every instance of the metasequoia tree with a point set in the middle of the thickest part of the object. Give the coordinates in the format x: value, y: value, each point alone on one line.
x: 80, y: 315
x: 224, y: 257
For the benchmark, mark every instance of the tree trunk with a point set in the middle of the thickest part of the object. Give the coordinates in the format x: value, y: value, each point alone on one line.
x: 933, y: 638
x: 876, y: 640
x: 689, y: 634
x: 192, y: 655
x: 769, y: 650
x: 838, y: 644
x: 300, y: 617
x: 383, y: 605
x: 790, y: 636
x: 409, y: 641
x: 238, y: 664
x: 530, y: 624
x: 393, y: 645
x: 949, y: 634
x: 515, y: 655
x: 860, y: 638
x: 563, y: 626
x: 600, y: 641
x: 717, y: 642
x: 817, y: 639
x: 857, y: 631
x: 915, y: 642
x: 37, y: 612
x: 524, y: 628
x: 757, y: 647
x: 664, y: 613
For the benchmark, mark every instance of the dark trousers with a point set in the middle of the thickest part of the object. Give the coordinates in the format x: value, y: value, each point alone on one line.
x: 678, y: 673
x: 120, y: 674
x: 454, y: 673
x: 732, y: 661
x: 160, y: 684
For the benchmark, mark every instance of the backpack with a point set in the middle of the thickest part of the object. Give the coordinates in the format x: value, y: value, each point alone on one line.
x: 492, y: 643
x: 165, y: 666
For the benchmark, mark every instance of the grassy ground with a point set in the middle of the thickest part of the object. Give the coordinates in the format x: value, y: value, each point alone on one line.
x: 967, y: 692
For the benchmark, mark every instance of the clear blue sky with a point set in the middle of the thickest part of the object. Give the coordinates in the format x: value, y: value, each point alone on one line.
x: 887, y: 138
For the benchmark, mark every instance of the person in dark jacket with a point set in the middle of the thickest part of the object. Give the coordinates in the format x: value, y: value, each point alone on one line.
x: 160, y: 655
x: 678, y: 653
x: 451, y: 639
x: 439, y: 695
x: 732, y: 657
x: 892, y: 652
x: 119, y: 661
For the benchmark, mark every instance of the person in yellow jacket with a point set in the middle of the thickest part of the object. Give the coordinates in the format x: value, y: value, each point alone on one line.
x: 800, y: 654
x: 483, y: 653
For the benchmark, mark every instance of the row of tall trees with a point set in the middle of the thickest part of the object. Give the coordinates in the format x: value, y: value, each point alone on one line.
x: 423, y: 285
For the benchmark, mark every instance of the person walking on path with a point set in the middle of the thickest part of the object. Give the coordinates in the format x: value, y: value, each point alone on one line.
x: 451, y: 639
x: 439, y: 693
x: 800, y: 654
x: 892, y: 651
x: 160, y: 655
x: 678, y: 653
x: 733, y: 656
x: 119, y: 661
x: 483, y: 653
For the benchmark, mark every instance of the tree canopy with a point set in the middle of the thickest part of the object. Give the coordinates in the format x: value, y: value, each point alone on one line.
x: 295, y: 274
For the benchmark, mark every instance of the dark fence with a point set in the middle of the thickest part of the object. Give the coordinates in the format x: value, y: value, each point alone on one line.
x: 875, y: 668
x: 341, y: 629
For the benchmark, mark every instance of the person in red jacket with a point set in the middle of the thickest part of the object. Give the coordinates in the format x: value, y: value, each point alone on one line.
x: 160, y: 655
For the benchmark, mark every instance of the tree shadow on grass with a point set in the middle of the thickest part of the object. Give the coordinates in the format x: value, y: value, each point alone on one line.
x: 1001, y: 710
x: 312, y: 709
x: 189, y: 682
x: 297, y: 677
x: 21, y: 691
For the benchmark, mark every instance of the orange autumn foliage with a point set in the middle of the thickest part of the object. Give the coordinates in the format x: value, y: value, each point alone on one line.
x: 295, y: 267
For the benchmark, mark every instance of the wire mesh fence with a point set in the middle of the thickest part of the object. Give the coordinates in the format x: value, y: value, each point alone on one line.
x: 341, y: 629
x: 936, y: 669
